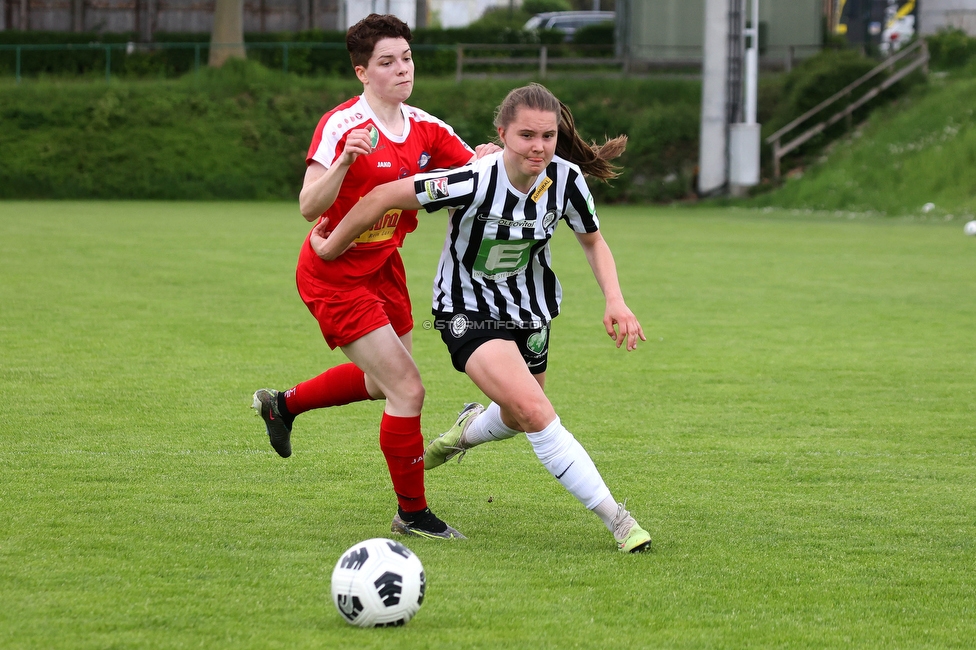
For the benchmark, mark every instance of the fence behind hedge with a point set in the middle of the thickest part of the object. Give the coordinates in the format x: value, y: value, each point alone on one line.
x: 31, y: 54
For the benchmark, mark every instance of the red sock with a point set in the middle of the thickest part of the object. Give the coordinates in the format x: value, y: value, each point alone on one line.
x: 343, y: 384
x: 403, y: 445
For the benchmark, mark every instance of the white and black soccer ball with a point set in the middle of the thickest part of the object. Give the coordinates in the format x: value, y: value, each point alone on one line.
x: 378, y: 583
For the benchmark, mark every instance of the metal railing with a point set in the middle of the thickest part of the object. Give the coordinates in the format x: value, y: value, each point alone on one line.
x: 503, y: 55
x: 919, y: 48
x: 128, y: 48
x: 542, y: 61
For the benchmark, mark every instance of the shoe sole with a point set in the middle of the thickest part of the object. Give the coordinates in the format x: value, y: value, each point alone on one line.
x: 400, y: 528
x: 640, y: 548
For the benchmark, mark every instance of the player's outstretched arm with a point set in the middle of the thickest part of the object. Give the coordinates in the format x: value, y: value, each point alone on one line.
x: 398, y: 194
x: 621, y: 323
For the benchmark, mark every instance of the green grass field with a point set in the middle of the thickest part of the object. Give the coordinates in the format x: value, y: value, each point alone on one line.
x: 798, y: 434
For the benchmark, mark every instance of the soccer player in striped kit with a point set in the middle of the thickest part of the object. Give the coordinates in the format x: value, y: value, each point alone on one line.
x: 495, y: 293
x: 360, y: 300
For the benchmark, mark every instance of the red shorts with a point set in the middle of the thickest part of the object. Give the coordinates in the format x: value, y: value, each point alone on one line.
x: 347, y: 313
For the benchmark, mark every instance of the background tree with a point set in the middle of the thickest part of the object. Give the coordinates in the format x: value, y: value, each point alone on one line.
x: 227, y: 37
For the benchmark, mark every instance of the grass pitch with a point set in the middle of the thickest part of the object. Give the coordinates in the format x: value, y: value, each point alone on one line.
x: 797, y: 435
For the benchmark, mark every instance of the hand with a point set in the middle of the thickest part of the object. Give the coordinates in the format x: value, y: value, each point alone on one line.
x: 357, y: 144
x: 618, y: 315
x: 323, y: 247
x: 486, y: 149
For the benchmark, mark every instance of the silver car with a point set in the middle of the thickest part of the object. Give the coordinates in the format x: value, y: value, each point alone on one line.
x: 568, y: 21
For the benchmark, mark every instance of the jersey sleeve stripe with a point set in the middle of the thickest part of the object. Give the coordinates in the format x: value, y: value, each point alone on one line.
x: 577, y: 198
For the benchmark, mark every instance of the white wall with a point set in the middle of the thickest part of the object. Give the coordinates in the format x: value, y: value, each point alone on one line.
x: 461, y: 13
x: 940, y: 14
x: 445, y: 13
x: 356, y: 10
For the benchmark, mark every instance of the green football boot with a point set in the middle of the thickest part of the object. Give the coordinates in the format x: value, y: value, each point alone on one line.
x: 630, y: 537
x: 448, y: 445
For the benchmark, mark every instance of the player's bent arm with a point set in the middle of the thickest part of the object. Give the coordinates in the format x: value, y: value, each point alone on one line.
x: 320, y: 189
x: 617, y: 312
x: 321, y: 186
x: 398, y: 194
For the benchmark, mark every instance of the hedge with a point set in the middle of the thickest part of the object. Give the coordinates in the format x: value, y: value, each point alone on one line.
x: 242, y: 132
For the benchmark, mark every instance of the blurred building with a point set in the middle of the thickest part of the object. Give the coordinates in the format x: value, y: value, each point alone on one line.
x: 422, y: 13
x: 885, y: 24
x: 145, y: 17
x: 935, y: 15
x: 670, y: 32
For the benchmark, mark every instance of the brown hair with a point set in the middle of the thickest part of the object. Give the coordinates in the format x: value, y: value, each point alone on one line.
x: 362, y: 37
x: 592, y: 158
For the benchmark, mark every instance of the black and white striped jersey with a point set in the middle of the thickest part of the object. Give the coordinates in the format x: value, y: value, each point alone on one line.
x: 496, y: 259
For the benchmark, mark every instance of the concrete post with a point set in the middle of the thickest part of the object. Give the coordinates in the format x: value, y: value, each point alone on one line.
x: 713, y: 149
x: 745, y: 140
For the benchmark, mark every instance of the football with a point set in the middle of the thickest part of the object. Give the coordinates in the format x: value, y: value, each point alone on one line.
x: 378, y: 583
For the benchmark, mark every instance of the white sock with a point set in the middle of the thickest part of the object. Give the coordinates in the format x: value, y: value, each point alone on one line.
x: 487, y: 427
x: 615, y: 517
x: 569, y: 463
x: 606, y: 510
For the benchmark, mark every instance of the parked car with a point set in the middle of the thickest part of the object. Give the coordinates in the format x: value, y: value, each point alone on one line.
x: 568, y: 21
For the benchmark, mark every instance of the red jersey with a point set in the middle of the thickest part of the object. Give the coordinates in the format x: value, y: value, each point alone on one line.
x: 426, y: 144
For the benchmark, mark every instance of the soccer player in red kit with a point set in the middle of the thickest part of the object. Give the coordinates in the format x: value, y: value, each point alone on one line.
x: 360, y: 300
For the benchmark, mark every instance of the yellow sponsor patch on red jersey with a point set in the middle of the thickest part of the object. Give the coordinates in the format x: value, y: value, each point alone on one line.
x: 382, y: 229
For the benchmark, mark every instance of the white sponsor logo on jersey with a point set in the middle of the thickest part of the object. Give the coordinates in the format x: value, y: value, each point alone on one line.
x: 498, y: 260
x: 436, y: 188
x: 508, y: 223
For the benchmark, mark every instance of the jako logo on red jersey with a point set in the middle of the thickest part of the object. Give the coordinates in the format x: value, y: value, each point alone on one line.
x: 384, y: 165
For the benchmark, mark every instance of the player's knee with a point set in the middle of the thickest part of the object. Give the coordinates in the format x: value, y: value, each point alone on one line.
x: 417, y: 393
x: 410, y: 392
x: 533, y: 414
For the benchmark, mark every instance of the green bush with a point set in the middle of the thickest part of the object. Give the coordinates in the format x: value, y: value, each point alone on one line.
x: 817, y: 78
x: 241, y: 132
x: 601, y: 34
x: 502, y: 18
x: 950, y: 48
x: 533, y: 7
